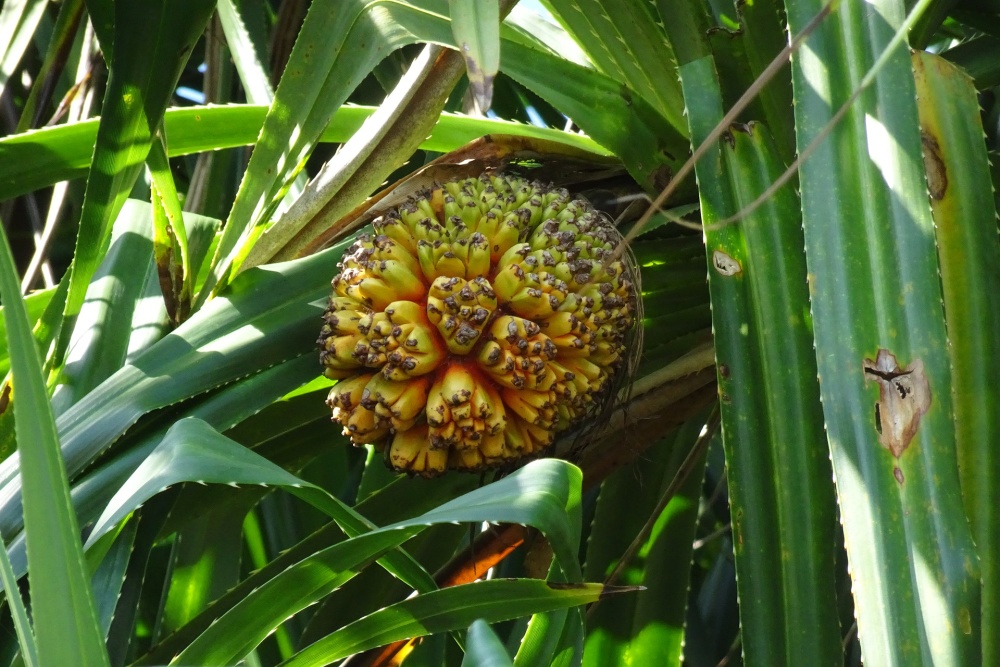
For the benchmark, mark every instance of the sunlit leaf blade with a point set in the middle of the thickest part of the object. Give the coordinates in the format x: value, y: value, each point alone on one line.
x: 62, y: 605
x: 483, y: 648
x: 373, y: 588
x: 141, y: 81
x: 543, y: 31
x: 778, y: 475
x: 612, y: 114
x: 876, y: 305
x: 624, y: 39
x: 448, y: 609
x: 764, y: 37
x: 253, y: 74
x: 305, y: 100
x: 647, y: 627
x: 135, y: 586
x: 63, y: 35
x: 99, y: 344
x: 205, y: 563
x: 391, y: 506
x: 958, y: 178
x: 386, y: 139
x: 686, y: 24
x: 18, y: 21
x: 227, y: 407
x: 109, y: 574
x: 25, y: 634
x: 192, y: 451
x: 250, y: 621
x: 345, y: 38
x: 530, y: 496
x: 541, y: 638
x: 35, y: 303
x: 267, y: 317
x: 40, y: 158
x: 476, y: 26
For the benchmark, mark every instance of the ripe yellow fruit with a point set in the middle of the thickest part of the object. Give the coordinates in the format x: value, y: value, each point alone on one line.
x: 483, y: 317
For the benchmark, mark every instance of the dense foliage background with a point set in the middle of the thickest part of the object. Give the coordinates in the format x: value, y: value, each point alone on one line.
x: 801, y: 471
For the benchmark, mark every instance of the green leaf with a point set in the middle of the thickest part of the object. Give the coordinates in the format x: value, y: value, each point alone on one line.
x: 140, y: 84
x: 18, y: 21
x: 627, y: 42
x: 483, y: 648
x: 62, y: 604
x: 103, y: 330
x: 476, y: 26
x: 536, y: 495
x: 205, y: 562
x: 782, y: 506
x: 391, y: 505
x: 687, y: 24
x: 646, y: 628
x: 448, y: 609
x: 253, y: 74
x: 958, y: 175
x: 35, y: 303
x: 109, y: 573
x: 267, y: 317
x: 613, y: 114
x: 43, y: 157
x: 349, y: 38
x: 137, y: 586
x: 170, y: 243
x: 64, y: 32
x: 25, y: 635
x: 541, y: 638
x: 979, y: 57
x: 386, y: 140
x: 192, y: 451
x: 876, y: 304
x: 763, y: 33
x: 244, y: 626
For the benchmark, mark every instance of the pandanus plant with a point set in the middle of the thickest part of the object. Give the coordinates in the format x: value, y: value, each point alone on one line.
x: 799, y: 469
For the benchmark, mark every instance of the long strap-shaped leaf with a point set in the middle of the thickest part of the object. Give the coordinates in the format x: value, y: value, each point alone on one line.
x: 958, y: 176
x: 880, y: 342
x: 151, y: 43
x: 625, y: 39
x: 448, y: 609
x: 62, y: 603
x: 646, y: 629
x: 545, y: 495
x: 781, y: 505
x: 40, y: 158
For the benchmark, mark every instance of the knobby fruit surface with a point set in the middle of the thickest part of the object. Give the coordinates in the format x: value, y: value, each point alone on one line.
x: 479, y: 320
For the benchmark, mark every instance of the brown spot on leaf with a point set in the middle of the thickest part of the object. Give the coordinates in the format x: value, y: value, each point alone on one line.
x: 725, y: 264
x: 937, y: 173
x: 662, y: 176
x: 904, y: 397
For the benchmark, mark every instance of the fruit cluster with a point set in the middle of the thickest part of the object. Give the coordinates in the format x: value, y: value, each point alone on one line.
x: 482, y: 318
